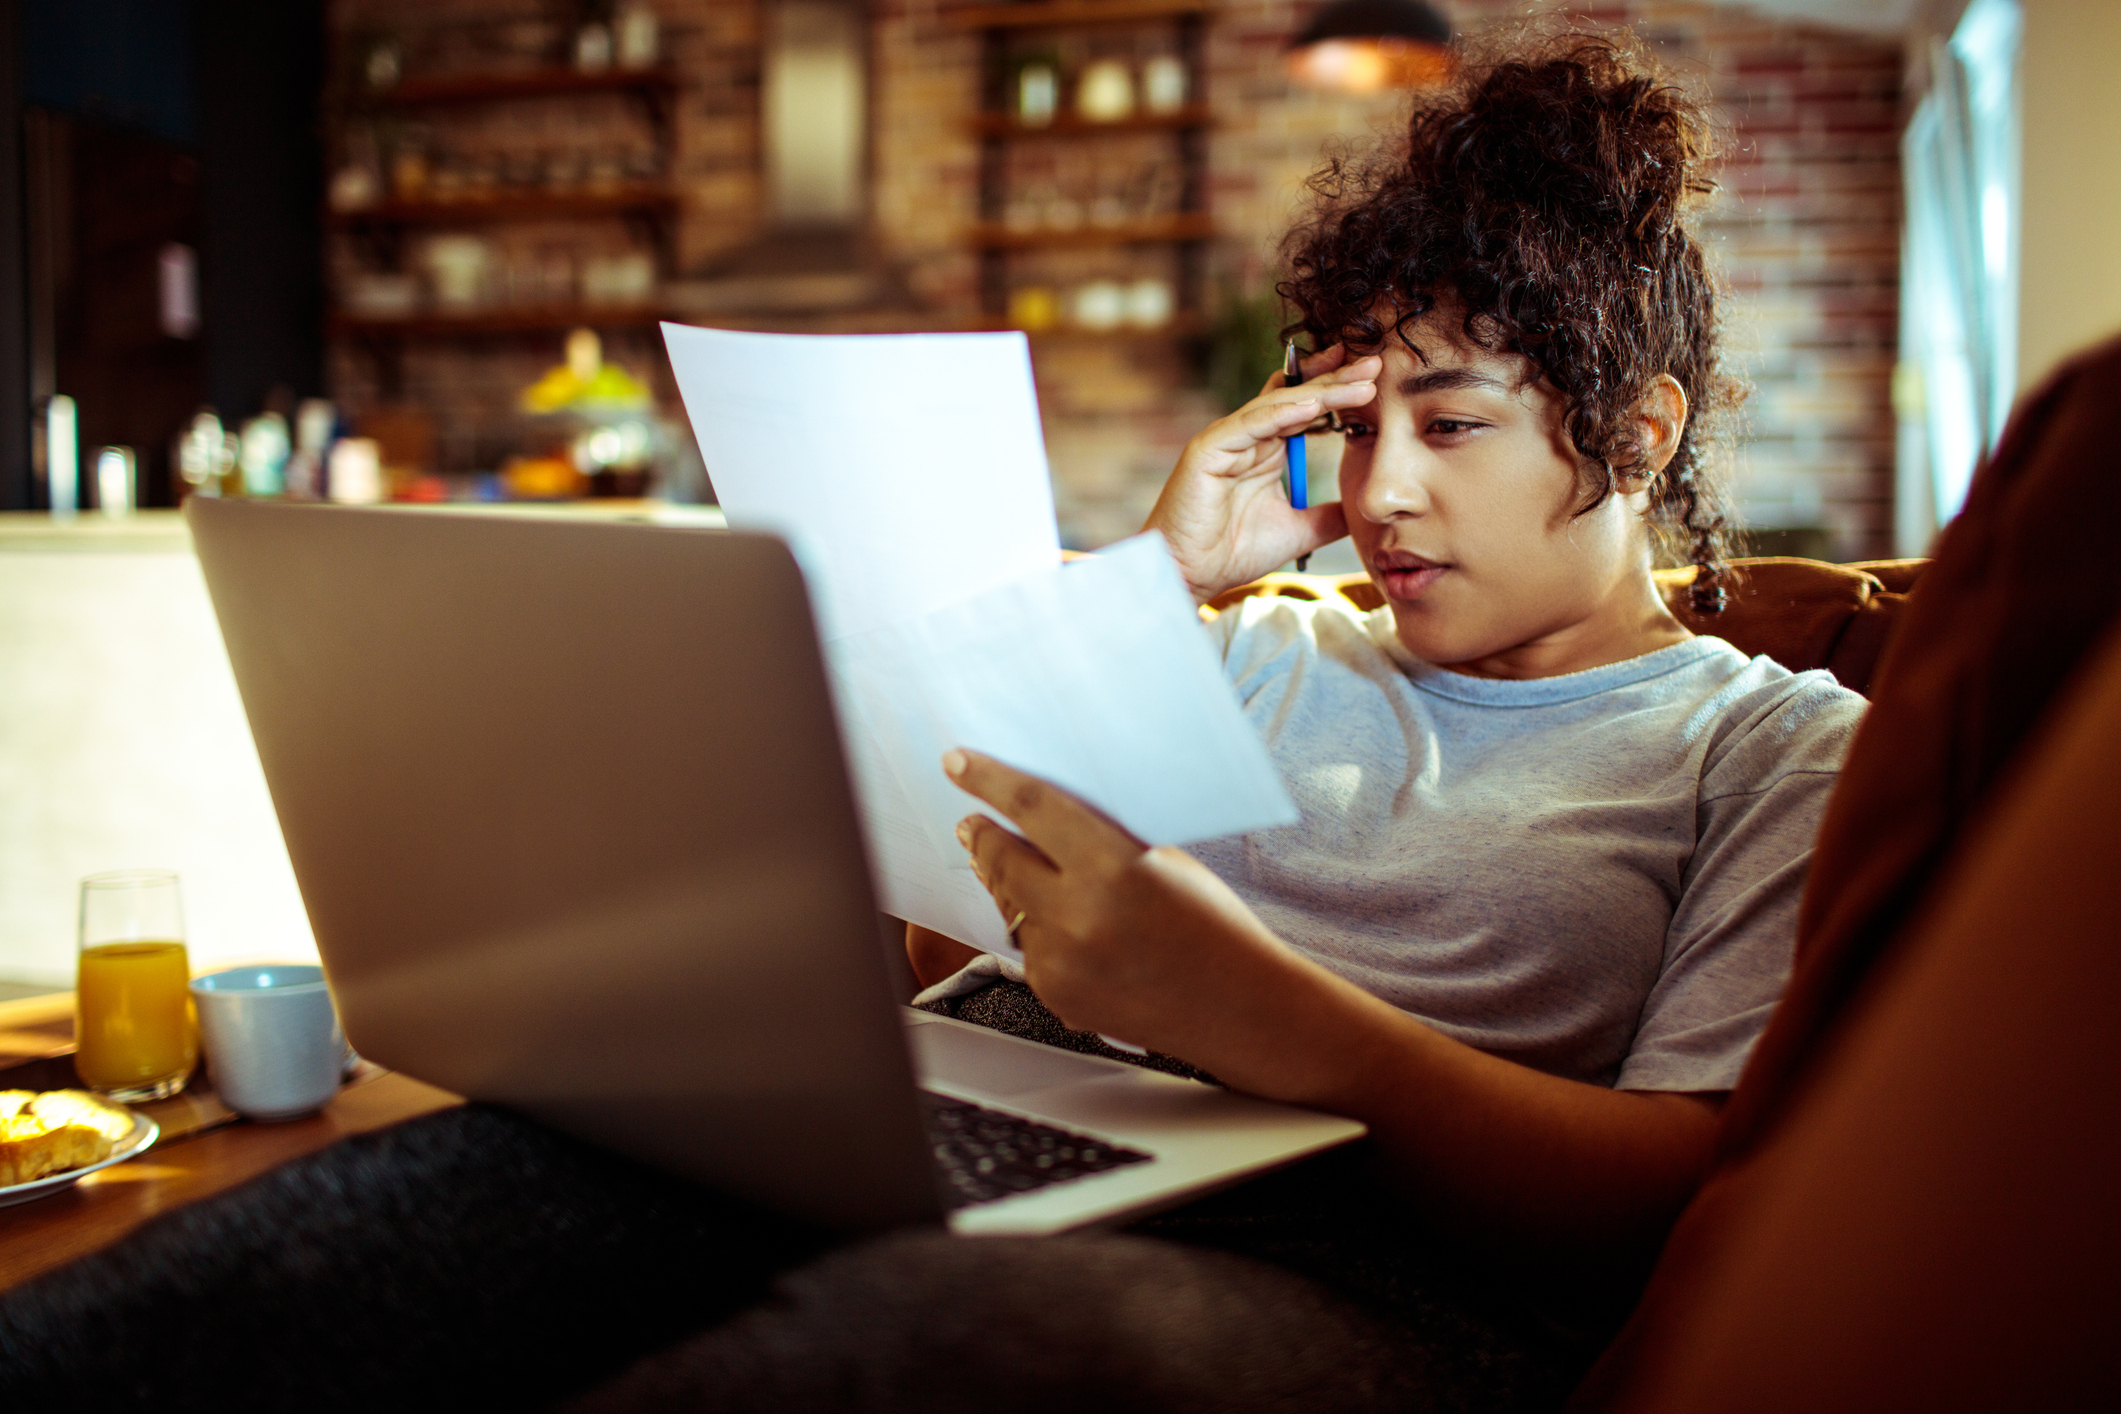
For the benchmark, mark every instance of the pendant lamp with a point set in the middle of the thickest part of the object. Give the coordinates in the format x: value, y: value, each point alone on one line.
x: 1367, y: 46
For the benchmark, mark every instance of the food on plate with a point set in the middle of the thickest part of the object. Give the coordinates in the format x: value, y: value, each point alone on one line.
x: 84, y: 1110
x: 50, y: 1132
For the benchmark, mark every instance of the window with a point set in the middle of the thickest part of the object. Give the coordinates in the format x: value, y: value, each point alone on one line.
x: 1959, y: 269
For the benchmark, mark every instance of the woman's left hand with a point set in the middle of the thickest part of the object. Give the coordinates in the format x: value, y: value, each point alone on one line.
x: 1143, y: 944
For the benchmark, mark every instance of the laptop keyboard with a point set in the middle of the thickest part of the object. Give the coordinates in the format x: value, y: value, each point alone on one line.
x: 985, y: 1154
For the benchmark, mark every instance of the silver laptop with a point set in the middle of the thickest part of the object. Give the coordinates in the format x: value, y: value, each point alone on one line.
x: 569, y: 814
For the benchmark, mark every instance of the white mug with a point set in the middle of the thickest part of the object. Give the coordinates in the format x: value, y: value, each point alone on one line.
x: 272, y: 1038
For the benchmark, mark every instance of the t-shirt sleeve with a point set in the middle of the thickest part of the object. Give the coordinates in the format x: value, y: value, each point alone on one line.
x: 1252, y: 635
x: 1733, y: 933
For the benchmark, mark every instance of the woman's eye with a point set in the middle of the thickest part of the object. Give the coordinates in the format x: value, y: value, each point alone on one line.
x: 1356, y: 428
x: 1450, y: 426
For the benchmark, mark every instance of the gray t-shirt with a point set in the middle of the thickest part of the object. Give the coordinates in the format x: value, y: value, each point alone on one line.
x: 1596, y: 875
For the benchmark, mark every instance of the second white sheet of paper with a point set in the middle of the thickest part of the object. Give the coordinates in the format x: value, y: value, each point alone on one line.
x: 1095, y: 675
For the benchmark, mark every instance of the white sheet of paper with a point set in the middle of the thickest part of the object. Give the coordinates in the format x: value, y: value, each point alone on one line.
x: 909, y: 474
x: 1096, y: 676
x: 906, y: 470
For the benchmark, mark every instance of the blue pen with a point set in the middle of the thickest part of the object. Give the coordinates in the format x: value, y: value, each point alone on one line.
x: 1292, y: 373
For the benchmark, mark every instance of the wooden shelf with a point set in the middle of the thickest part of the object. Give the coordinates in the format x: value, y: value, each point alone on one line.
x: 497, y: 321
x: 535, y: 83
x: 514, y: 206
x: 1187, y: 233
x: 1048, y: 14
x: 1193, y: 115
x: 1191, y: 226
x: 1181, y: 326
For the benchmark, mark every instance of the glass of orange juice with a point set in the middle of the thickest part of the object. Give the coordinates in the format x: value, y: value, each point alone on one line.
x: 136, y: 1035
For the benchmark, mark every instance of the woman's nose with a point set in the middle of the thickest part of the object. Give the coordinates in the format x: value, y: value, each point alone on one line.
x: 1392, y: 486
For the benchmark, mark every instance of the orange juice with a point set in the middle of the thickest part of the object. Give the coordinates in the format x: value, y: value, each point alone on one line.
x: 134, y: 1028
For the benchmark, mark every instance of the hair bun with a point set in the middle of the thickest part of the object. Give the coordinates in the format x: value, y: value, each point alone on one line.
x: 1581, y: 138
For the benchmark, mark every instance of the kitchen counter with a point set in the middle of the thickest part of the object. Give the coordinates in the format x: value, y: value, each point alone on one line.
x: 123, y: 742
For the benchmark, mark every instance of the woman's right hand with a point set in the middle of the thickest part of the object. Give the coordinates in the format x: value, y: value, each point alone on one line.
x: 1223, y: 512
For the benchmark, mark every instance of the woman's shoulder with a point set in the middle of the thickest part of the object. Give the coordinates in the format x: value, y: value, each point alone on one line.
x: 1766, y: 722
x: 1268, y: 627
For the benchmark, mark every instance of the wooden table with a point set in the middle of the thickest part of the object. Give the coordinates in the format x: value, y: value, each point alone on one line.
x: 204, y: 1149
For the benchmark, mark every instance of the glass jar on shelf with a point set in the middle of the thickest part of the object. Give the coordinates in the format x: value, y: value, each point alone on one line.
x: 1037, y: 91
x: 636, y: 36
x: 409, y: 164
x: 1105, y: 91
x: 1163, y: 86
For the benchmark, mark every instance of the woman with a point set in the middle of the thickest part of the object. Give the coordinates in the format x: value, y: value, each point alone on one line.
x: 1538, y: 905
x: 1545, y: 887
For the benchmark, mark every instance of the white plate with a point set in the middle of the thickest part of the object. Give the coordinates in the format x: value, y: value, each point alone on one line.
x: 135, y: 1143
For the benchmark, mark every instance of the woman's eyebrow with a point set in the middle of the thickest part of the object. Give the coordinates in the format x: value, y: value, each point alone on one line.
x: 1438, y: 380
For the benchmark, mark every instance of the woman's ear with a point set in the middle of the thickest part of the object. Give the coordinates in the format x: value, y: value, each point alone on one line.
x: 1662, y: 413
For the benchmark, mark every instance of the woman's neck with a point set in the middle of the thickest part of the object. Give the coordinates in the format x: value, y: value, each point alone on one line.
x: 1629, y: 622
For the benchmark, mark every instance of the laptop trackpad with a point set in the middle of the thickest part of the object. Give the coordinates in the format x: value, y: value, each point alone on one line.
x: 974, y: 1058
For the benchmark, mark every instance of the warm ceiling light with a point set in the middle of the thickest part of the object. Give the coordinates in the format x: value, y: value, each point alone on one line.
x: 1365, y: 46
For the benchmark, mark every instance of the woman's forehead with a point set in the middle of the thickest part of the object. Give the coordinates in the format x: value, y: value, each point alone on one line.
x: 1437, y: 339
x: 1433, y: 353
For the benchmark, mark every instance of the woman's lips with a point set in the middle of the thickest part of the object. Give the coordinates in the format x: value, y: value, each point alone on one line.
x: 1407, y: 577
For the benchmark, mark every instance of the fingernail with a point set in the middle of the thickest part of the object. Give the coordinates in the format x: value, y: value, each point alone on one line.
x: 954, y: 762
x: 964, y: 833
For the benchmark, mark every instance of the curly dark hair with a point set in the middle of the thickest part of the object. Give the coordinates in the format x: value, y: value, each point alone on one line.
x: 1549, y: 193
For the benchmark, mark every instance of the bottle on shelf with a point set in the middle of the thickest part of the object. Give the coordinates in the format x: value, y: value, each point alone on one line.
x: 117, y: 481
x: 62, y: 456
x: 261, y: 453
x: 316, y: 419
x: 592, y: 48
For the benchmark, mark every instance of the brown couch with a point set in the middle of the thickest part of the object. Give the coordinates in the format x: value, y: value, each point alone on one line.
x: 1918, y: 1204
x: 1802, y: 613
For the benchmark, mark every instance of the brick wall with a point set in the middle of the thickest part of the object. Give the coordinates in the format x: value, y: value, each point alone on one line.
x: 1806, y: 231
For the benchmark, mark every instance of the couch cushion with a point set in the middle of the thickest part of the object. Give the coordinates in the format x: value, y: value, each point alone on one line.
x: 1802, y: 613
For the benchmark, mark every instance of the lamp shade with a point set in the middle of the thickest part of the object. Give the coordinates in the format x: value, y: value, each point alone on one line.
x: 1364, y: 46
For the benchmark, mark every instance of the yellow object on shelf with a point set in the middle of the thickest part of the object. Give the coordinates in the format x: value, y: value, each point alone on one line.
x: 1034, y: 308
x: 585, y: 380
x: 541, y: 478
